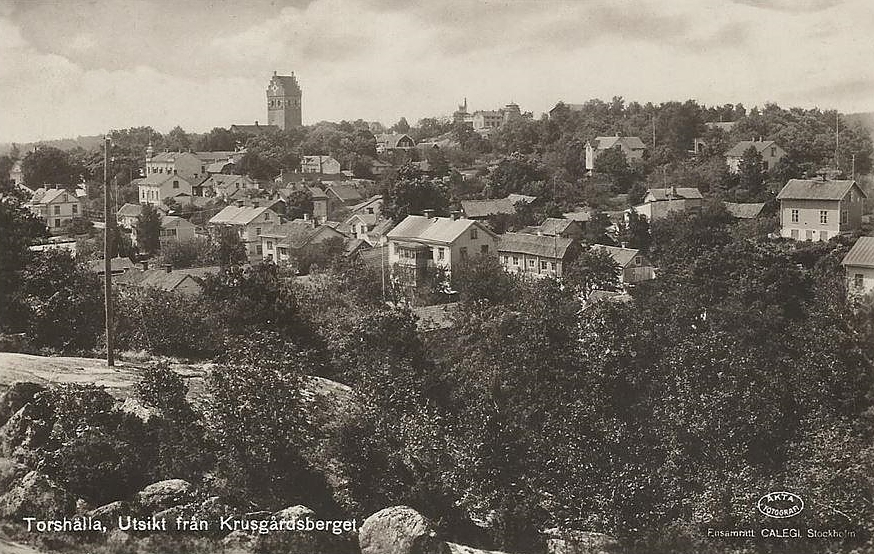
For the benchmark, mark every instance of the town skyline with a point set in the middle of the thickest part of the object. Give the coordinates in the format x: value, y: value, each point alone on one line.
x: 82, y: 68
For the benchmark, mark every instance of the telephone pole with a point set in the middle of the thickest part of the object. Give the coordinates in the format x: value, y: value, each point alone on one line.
x: 108, y: 228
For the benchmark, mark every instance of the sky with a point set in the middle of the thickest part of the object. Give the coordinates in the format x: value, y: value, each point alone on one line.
x: 83, y: 67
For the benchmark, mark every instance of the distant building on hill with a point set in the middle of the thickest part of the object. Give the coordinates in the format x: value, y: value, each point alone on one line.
x: 632, y: 147
x: 820, y: 209
x: 770, y: 151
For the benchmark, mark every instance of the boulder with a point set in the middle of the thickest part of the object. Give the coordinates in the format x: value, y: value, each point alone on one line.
x: 399, y: 530
x: 16, y: 396
x: 26, y: 428
x: 165, y: 494
x: 572, y: 541
x: 290, y: 542
x: 136, y: 408
x: 10, y: 471
x: 35, y: 495
x: 109, y: 513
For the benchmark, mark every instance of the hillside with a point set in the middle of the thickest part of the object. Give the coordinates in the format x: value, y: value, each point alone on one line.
x: 92, y: 142
x: 866, y: 119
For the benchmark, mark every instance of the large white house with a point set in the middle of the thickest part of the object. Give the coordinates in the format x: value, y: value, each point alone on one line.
x: 248, y: 222
x: 420, y: 243
x: 820, y: 209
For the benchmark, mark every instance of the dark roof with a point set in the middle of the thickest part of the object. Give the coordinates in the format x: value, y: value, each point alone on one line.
x: 745, y: 211
x: 485, y: 208
x: 345, y: 193
x: 165, y: 280
x: 603, y: 143
x: 555, y: 226
x: 130, y: 210
x: 535, y: 245
x: 816, y: 189
x: 622, y: 256
x: 583, y: 215
x: 740, y: 148
x: 861, y: 254
x: 117, y: 264
x: 675, y: 193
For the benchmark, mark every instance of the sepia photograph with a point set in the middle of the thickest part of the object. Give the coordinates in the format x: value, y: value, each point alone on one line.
x: 436, y: 277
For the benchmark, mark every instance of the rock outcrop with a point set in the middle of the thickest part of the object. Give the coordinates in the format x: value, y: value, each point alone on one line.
x: 16, y: 396
x: 36, y: 494
x: 165, y: 494
x: 399, y: 530
x: 10, y: 471
x: 25, y: 428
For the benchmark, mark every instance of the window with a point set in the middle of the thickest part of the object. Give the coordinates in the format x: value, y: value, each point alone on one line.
x: 638, y: 260
x: 773, y: 151
x: 258, y: 249
x: 484, y: 249
x: 266, y: 215
x: 809, y: 234
x: 57, y: 223
x: 57, y: 210
x: 794, y: 216
x: 858, y: 280
x: 174, y: 171
x: 257, y: 230
x: 473, y: 234
x: 515, y: 260
x: 441, y: 253
x: 543, y: 265
x: 269, y: 245
x: 823, y: 235
x: 463, y: 252
x: 823, y: 216
x: 175, y: 184
x: 531, y: 263
x: 75, y: 209
x: 794, y: 234
x: 845, y: 217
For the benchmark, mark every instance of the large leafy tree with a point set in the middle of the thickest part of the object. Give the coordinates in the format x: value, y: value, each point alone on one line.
x: 148, y: 229
x: 49, y: 165
x: 20, y: 229
x: 409, y: 192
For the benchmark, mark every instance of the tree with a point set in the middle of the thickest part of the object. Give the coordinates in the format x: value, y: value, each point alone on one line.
x: 218, y: 138
x: 228, y: 248
x: 411, y: 193
x: 401, y: 126
x: 20, y: 229
x: 613, y: 163
x: 177, y: 140
x: 751, y: 171
x: 48, y: 165
x: 148, y: 229
x: 193, y: 252
x: 594, y: 269
x: 299, y: 204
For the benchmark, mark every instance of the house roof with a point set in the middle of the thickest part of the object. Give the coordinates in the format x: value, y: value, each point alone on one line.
x: 234, y: 215
x: 746, y: 210
x: 535, y: 245
x: 253, y: 129
x: 485, y: 208
x: 674, y: 193
x: 165, y: 280
x: 174, y: 222
x: 375, y: 201
x: 738, y: 149
x: 622, y: 256
x: 316, y: 159
x: 172, y: 156
x: 218, y: 167
x: 555, y: 226
x: 443, y: 230
x: 816, y: 189
x: 861, y: 254
x: 516, y: 198
x: 130, y: 210
x: 295, y: 234
x: 346, y: 193
x: 391, y: 140
x: 50, y: 195
x: 634, y: 143
x: 117, y: 264
x: 583, y: 215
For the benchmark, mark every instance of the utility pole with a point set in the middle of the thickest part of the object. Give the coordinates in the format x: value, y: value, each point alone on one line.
x: 108, y: 228
x: 837, y: 136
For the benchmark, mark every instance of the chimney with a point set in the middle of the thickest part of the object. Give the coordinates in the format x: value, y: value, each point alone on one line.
x: 623, y: 244
x: 428, y: 213
x: 456, y: 215
x: 306, y: 217
x: 239, y: 203
x: 168, y: 267
x: 256, y: 123
x: 145, y: 265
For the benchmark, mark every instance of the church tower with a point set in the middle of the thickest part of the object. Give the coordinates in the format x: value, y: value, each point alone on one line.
x: 283, y: 102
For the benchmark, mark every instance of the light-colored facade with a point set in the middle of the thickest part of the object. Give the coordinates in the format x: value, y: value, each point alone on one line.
x: 319, y: 164
x: 420, y: 243
x: 283, y: 243
x: 248, y: 222
x: 173, y: 229
x: 859, y: 265
x: 661, y: 202
x: 770, y: 151
x: 176, y: 163
x: 633, y: 265
x: 536, y: 255
x: 819, y: 210
x: 387, y: 142
x: 55, y: 207
x: 632, y: 147
x: 154, y: 188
